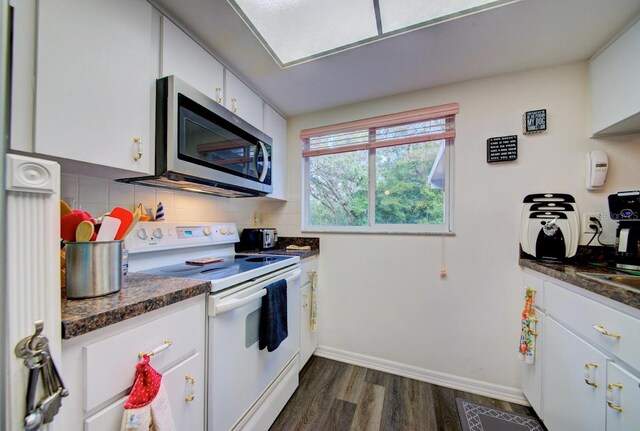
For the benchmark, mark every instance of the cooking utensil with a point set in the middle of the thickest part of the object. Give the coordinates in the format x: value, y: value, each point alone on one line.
x: 108, y: 229
x: 126, y: 218
x: 69, y: 223
x: 136, y: 218
x: 84, y: 231
x: 64, y: 208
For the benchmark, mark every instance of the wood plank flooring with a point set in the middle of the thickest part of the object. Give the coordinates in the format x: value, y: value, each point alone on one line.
x: 337, y: 396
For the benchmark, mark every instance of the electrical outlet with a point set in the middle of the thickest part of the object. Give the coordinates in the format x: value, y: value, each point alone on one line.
x: 586, y: 221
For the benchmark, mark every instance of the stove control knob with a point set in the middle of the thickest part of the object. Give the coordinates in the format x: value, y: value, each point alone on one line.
x: 142, y: 234
x: 206, y: 231
x: 231, y: 231
x: 224, y: 230
x: 157, y: 233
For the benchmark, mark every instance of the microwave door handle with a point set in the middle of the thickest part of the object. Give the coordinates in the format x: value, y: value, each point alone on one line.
x: 265, y: 161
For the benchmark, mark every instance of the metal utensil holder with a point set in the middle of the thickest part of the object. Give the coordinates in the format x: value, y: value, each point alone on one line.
x: 93, y: 268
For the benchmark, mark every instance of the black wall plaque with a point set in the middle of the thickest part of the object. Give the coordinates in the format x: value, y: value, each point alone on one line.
x: 502, y: 149
x: 534, y: 121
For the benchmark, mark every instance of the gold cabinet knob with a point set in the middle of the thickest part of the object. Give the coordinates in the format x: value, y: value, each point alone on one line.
x: 588, y: 378
x: 600, y: 329
x: 189, y: 378
x: 611, y: 388
x: 138, y: 148
x: 218, y: 92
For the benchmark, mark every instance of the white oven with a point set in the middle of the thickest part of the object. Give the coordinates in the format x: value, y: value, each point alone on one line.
x: 241, y: 375
x: 246, y: 387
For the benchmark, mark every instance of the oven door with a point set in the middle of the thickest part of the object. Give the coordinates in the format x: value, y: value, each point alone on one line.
x: 239, y: 373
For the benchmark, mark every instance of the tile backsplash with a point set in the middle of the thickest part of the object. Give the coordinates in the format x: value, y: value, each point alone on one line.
x: 98, y: 196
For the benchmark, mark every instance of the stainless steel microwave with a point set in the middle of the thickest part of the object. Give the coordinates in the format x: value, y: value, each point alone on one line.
x: 203, y: 147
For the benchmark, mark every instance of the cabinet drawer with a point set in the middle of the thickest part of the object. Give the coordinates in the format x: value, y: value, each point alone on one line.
x: 188, y: 415
x: 110, y: 363
x: 583, y: 314
x: 306, y: 266
x: 536, y: 284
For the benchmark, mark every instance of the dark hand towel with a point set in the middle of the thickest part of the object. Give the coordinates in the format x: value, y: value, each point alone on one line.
x: 273, y: 316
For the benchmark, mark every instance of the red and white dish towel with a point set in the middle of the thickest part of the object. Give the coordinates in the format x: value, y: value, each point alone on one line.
x: 147, y: 408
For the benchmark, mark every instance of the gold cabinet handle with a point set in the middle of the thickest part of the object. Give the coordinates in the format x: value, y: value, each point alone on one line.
x: 165, y: 345
x: 234, y: 104
x: 218, y: 94
x: 610, y: 395
x: 138, y: 153
x: 189, y: 378
x: 587, y: 373
x: 600, y: 329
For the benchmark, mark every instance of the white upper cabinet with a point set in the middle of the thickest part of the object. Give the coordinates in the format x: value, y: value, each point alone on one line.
x: 241, y: 100
x: 96, y: 67
x: 183, y: 57
x: 276, y: 127
x: 615, y: 86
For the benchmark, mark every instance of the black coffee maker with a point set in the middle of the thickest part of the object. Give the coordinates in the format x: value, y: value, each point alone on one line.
x: 624, y: 207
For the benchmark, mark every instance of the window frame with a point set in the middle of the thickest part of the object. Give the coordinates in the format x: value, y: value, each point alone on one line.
x: 446, y: 228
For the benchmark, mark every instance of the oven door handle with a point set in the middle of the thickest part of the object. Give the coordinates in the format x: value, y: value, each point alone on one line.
x: 231, y: 304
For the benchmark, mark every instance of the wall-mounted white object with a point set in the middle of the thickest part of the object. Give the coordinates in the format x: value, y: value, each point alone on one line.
x: 596, y: 169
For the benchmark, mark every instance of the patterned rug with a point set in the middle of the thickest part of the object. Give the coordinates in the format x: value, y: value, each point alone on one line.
x: 475, y: 417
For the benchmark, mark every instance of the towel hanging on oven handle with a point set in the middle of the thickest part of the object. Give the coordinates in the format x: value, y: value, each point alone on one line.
x: 223, y: 305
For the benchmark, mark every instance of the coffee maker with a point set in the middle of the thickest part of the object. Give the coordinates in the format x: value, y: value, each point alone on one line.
x: 624, y: 207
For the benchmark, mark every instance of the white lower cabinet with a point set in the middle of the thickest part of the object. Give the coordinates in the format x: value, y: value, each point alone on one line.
x: 623, y: 399
x: 308, y: 337
x: 99, y: 367
x: 585, y: 375
x: 532, y: 373
x: 574, y: 381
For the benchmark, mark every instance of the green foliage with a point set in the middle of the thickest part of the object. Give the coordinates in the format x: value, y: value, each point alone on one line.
x: 339, y: 195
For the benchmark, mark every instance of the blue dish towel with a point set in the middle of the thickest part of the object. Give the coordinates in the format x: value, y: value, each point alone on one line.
x: 273, y: 316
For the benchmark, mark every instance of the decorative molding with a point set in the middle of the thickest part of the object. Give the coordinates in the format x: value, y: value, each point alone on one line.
x: 500, y: 392
x: 26, y: 174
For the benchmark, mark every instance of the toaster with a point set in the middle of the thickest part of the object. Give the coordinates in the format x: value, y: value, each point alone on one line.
x: 258, y: 238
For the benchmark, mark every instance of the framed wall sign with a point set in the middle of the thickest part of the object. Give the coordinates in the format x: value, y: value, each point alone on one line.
x: 534, y: 121
x: 502, y: 149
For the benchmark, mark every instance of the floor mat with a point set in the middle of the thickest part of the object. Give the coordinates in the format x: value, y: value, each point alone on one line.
x: 475, y: 417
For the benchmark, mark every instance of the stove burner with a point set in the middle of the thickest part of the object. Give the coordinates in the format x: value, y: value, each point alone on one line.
x: 261, y: 259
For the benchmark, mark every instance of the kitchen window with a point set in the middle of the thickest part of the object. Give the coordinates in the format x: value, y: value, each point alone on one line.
x: 387, y: 174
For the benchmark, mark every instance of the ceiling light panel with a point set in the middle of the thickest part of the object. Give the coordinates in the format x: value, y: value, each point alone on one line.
x: 295, y: 30
x: 409, y: 14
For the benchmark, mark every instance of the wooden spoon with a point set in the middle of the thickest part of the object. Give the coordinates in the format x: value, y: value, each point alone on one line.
x: 84, y: 231
x: 64, y: 208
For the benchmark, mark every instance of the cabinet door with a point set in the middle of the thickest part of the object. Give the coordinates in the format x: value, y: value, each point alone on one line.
x: 242, y: 101
x: 183, y: 57
x: 615, y: 86
x: 185, y: 387
x: 95, y: 79
x: 574, y: 383
x: 276, y: 127
x: 306, y: 336
x: 532, y: 373
x: 623, y: 392
x: 180, y: 383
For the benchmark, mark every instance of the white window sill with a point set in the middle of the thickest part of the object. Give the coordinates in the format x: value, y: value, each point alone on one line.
x: 349, y: 231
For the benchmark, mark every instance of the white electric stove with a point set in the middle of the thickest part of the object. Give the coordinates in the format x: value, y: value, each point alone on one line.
x: 247, y: 387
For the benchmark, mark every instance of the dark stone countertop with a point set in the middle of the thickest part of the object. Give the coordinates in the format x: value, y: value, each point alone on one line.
x: 283, y: 242
x: 567, y: 272
x: 140, y: 294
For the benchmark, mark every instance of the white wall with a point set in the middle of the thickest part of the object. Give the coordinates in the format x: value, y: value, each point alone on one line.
x: 381, y: 295
x: 98, y: 196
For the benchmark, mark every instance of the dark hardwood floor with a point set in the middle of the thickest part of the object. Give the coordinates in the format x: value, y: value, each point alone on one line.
x: 337, y: 396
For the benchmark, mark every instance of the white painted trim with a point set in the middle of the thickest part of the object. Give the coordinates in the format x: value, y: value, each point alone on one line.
x: 500, y: 392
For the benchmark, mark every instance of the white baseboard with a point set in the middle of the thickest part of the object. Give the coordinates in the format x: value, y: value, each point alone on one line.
x: 500, y: 392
